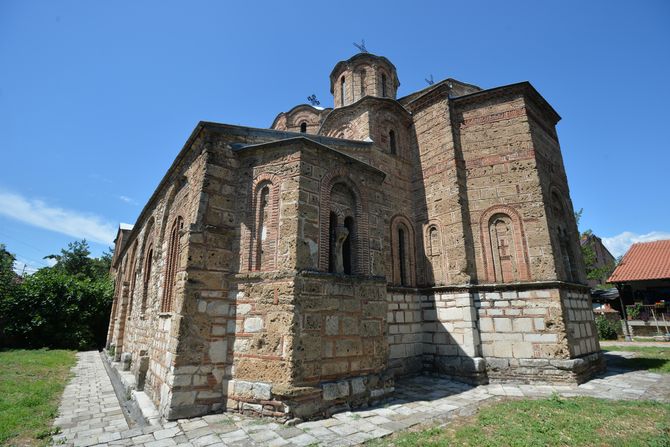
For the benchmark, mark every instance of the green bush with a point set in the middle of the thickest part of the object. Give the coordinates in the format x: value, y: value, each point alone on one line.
x: 607, y: 330
x: 64, y: 306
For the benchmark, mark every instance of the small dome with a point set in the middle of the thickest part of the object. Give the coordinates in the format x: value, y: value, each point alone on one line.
x: 364, y: 74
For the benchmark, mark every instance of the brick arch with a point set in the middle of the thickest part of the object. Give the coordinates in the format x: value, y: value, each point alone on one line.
x: 147, y: 258
x: 396, y: 222
x: 435, y: 256
x: 519, y: 238
x: 250, y: 235
x: 362, y: 255
x: 172, y: 264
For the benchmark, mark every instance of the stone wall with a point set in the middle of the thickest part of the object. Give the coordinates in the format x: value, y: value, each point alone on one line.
x: 452, y: 340
x: 525, y: 338
x: 405, y: 333
x: 581, y: 326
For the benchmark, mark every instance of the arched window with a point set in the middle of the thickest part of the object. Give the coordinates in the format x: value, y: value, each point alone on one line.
x: 332, y: 225
x: 504, y: 249
x: 383, y: 85
x: 402, y: 256
x: 392, y: 143
x: 303, y: 127
x: 402, y: 252
x: 343, y: 89
x: 342, y: 199
x: 348, y: 246
x: 262, y: 227
x: 146, y: 278
x: 171, y: 265
x: 434, y: 246
x: 133, y: 275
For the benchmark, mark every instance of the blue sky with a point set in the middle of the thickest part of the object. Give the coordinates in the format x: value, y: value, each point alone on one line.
x: 97, y: 98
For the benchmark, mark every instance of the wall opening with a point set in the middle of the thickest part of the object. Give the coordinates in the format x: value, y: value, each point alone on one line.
x: 171, y: 265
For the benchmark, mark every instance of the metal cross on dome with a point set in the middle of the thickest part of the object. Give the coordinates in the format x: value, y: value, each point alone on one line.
x: 361, y: 46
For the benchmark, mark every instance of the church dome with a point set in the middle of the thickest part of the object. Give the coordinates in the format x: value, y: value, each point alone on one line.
x: 364, y: 74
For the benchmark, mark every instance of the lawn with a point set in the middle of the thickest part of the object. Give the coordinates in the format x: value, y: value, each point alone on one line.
x: 31, y: 383
x: 655, y: 359
x: 553, y: 421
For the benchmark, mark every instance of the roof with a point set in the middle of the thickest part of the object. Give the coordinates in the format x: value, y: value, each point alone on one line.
x: 305, y: 139
x: 644, y: 261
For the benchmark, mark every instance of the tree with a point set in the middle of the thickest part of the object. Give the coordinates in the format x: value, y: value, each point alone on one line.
x: 8, y: 278
x: 64, y: 306
x: 593, y: 271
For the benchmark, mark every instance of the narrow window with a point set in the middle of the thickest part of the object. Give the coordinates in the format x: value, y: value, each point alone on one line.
x: 383, y: 85
x: 434, y: 240
x: 131, y: 294
x: 392, y: 144
x: 148, y: 261
x: 362, y: 78
x: 332, y: 225
x: 402, y: 257
x: 303, y: 127
x: 343, y: 89
x: 263, y: 210
x: 348, y: 247
x: 172, y: 261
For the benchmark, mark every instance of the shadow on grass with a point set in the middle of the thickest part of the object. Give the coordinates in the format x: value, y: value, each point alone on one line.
x: 657, y: 361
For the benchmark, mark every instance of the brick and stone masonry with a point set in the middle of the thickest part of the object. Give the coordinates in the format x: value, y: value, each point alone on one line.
x: 299, y: 270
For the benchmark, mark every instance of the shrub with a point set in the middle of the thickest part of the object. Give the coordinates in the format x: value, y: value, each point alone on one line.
x: 64, y: 306
x: 607, y: 330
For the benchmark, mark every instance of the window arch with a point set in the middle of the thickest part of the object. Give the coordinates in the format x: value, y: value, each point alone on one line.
x: 392, y: 143
x: 146, y: 276
x: 434, y: 243
x: 343, y: 90
x: 146, y: 261
x: 263, y: 228
x: 133, y: 277
x: 402, y: 252
x: 503, y: 245
x: 341, y: 197
x: 303, y: 127
x: 361, y: 77
x: 171, y: 265
x: 343, y: 239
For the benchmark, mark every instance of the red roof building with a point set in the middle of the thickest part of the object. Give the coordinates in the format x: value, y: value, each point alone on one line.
x: 644, y: 261
x: 643, y: 276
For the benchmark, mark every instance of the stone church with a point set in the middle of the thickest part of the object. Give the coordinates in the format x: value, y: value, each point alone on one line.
x: 299, y: 270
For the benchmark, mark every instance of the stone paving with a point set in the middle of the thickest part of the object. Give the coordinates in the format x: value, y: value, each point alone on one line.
x: 89, y: 410
x: 91, y: 415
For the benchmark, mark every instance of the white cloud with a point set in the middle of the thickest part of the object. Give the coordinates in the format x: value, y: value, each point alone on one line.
x: 73, y: 223
x: 127, y: 200
x: 619, y: 244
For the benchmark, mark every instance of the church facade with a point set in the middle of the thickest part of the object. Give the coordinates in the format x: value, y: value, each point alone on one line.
x: 299, y: 270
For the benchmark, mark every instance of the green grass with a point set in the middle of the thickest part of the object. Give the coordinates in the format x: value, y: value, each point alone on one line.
x: 549, y: 422
x: 655, y: 359
x: 31, y: 383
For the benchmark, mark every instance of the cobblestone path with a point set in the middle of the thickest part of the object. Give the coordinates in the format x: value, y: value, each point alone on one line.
x: 90, y: 413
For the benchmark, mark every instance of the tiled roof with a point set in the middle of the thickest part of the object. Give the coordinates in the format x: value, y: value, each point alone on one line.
x: 644, y: 261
